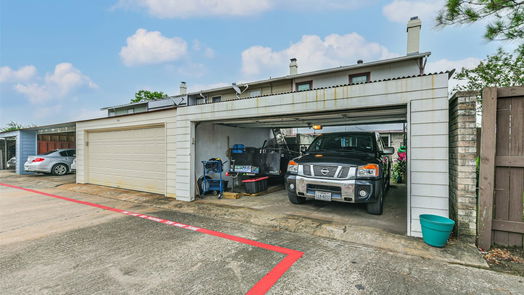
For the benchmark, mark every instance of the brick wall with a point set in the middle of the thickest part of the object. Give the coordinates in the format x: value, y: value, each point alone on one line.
x: 462, y: 166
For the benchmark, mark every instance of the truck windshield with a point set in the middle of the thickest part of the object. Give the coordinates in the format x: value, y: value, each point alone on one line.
x: 342, y: 143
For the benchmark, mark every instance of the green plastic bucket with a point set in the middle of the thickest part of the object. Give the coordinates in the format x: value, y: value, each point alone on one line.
x: 436, y: 229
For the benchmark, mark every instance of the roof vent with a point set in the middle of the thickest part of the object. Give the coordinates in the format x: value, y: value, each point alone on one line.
x: 360, y: 61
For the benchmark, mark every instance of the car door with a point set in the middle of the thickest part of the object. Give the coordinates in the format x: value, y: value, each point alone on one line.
x: 67, y: 156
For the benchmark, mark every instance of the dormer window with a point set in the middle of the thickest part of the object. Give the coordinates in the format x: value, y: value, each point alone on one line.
x: 359, y: 78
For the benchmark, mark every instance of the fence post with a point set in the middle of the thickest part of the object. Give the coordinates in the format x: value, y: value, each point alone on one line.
x: 487, y: 167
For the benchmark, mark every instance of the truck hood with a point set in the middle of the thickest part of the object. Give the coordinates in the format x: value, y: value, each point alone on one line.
x: 353, y: 158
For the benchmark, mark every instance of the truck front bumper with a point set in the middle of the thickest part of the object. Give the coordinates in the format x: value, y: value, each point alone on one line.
x: 341, y: 190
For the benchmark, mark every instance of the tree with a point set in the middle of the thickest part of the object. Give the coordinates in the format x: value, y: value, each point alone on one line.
x: 145, y: 95
x: 506, y: 16
x: 12, y: 126
x: 500, y: 70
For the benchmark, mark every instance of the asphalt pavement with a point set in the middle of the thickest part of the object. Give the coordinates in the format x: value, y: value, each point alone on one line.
x: 56, y: 246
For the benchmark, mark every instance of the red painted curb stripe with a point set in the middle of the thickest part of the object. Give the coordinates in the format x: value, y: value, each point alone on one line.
x: 261, y: 287
x: 270, y: 279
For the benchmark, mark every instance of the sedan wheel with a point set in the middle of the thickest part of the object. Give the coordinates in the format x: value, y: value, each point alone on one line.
x: 59, y: 169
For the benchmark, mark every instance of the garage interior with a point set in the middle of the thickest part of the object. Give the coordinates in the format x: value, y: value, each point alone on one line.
x: 7, y: 150
x: 214, y: 139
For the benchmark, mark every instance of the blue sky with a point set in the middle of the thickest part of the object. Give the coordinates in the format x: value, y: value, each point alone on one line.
x: 63, y: 60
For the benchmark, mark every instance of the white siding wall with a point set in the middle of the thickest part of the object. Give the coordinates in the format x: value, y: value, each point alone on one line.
x: 386, y: 71
x: 166, y: 117
x: 426, y: 96
x: 428, y: 155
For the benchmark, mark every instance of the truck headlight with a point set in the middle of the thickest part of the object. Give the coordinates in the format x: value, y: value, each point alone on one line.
x: 292, y: 167
x: 368, y: 170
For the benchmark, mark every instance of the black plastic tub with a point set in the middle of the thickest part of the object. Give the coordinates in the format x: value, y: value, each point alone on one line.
x: 255, y: 185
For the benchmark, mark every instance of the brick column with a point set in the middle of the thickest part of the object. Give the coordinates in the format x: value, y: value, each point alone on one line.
x: 462, y: 165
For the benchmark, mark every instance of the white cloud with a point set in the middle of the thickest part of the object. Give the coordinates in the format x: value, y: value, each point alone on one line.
x: 446, y: 64
x: 185, y: 9
x: 45, y: 112
x: 64, y: 80
x: 401, y: 11
x: 146, y: 47
x: 200, y: 8
x: 88, y: 113
x: 313, y: 53
x: 22, y: 74
x: 199, y: 47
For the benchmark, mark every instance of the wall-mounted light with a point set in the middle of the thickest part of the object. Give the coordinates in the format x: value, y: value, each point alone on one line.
x: 316, y: 127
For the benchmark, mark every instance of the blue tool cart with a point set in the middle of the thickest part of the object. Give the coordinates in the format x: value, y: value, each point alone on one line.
x: 213, y: 167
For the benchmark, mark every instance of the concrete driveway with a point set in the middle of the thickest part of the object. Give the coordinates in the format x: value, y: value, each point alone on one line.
x: 393, y: 220
x: 59, y: 246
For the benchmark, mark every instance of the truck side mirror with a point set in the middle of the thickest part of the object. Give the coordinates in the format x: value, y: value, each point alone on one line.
x: 389, y: 151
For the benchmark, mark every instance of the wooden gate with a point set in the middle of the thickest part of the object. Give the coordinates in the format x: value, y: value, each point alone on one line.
x: 502, y: 168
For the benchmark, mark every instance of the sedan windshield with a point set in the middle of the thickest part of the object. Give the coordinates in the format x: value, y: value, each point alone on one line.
x: 342, y: 143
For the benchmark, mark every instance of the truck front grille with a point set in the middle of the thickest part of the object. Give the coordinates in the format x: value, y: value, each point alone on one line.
x: 307, y: 170
x: 326, y: 171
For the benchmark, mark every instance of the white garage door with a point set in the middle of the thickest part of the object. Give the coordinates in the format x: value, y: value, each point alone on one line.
x: 133, y: 159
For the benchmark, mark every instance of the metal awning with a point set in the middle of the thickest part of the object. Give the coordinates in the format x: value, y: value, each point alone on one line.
x: 395, y: 114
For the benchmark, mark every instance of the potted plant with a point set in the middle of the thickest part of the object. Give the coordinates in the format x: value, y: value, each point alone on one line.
x: 399, y: 167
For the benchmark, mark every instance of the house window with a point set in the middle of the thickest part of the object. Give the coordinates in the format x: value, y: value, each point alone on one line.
x: 131, y: 111
x: 303, y: 86
x: 359, y: 78
x: 255, y: 93
x: 201, y: 100
x: 216, y: 99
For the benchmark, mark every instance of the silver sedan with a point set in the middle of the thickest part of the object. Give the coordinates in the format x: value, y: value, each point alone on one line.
x: 57, y: 162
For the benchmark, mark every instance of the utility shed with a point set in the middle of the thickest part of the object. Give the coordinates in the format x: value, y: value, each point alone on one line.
x: 420, y: 101
x: 26, y: 143
x: 131, y: 151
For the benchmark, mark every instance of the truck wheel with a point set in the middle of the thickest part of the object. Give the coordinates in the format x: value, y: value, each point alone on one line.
x: 376, y: 208
x: 293, y: 198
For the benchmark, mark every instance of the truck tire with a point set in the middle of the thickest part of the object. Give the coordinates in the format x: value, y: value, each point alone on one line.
x: 293, y: 198
x: 376, y: 208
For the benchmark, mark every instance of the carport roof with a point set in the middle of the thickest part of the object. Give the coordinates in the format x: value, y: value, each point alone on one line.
x: 7, y: 134
x: 392, y: 114
x: 47, y: 129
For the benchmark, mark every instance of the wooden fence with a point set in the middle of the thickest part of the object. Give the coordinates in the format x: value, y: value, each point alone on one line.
x: 502, y: 168
x: 49, y: 142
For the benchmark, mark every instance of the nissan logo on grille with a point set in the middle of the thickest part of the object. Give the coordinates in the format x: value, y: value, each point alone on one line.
x: 324, y: 171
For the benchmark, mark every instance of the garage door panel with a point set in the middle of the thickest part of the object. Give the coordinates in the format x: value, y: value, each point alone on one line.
x: 127, y: 148
x: 126, y: 160
x: 131, y: 178
x: 146, y: 185
x: 105, y: 167
x: 132, y: 158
